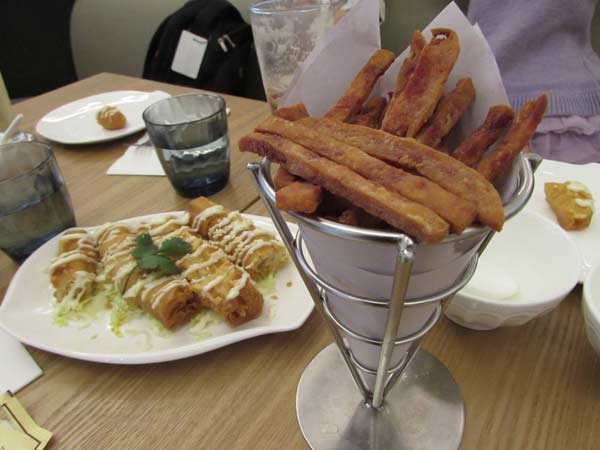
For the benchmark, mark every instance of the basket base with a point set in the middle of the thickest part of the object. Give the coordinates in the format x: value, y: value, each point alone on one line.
x: 424, y: 410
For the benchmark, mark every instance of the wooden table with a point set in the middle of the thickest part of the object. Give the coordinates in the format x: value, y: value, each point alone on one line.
x: 532, y: 387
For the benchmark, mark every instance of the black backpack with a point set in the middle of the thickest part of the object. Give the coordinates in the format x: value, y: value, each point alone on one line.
x: 227, y: 54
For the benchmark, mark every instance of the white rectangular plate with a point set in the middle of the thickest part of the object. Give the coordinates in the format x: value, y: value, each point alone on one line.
x: 588, y: 240
x: 26, y: 313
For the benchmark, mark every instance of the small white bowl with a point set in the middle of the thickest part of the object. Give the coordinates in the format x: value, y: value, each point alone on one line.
x: 526, y: 270
x: 591, y: 307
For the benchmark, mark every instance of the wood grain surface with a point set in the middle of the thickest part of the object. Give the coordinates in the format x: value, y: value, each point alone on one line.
x: 531, y: 387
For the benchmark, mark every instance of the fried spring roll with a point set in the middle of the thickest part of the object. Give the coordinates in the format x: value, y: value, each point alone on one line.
x: 73, y: 271
x: 293, y: 112
x: 474, y: 146
x: 411, y: 108
x: 258, y: 251
x: 518, y: 136
x: 169, y: 299
x: 438, y: 167
x: 283, y: 178
x: 417, y: 44
x: 403, y: 214
x: 221, y: 285
x: 457, y: 212
x: 360, y: 88
x: 370, y: 113
x: 165, y: 225
x: 448, y: 112
x: 299, y: 197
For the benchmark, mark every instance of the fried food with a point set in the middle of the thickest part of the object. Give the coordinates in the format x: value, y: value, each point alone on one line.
x: 360, y: 88
x: 293, y: 112
x: 73, y: 271
x: 471, y: 150
x: 221, y: 285
x: 456, y: 211
x: 417, y: 44
x: 410, y: 109
x: 572, y: 204
x: 283, y: 178
x: 518, y: 136
x: 257, y: 251
x: 370, y: 113
x: 111, y: 118
x: 299, y: 197
x: 403, y: 214
x: 450, y: 109
x: 409, y: 154
x: 359, y: 218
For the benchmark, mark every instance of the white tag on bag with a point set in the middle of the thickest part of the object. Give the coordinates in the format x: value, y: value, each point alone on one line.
x: 189, y: 54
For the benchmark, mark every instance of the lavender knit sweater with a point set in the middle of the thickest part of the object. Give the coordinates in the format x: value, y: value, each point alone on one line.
x: 544, y: 46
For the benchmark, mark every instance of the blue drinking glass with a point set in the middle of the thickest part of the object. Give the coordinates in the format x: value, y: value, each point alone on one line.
x: 189, y: 133
x: 34, y: 202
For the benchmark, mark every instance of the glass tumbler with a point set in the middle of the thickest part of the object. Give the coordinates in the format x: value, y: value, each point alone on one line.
x: 285, y: 32
x: 34, y: 202
x: 189, y: 133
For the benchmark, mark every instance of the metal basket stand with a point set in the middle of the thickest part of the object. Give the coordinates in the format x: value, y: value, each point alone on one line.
x: 414, y: 405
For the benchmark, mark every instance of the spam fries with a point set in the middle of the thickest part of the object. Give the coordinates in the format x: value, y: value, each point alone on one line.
x: 360, y: 88
x: 299, y: 197
x: 448, y: 112
x: 370, y: 113
x: 403, y: 214
x: 417, y: 44
x: 411, y: 108
x: 518, y: 136
x: 474, y: 146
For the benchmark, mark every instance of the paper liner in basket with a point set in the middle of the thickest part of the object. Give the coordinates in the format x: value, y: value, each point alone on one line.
x: 333, y: 64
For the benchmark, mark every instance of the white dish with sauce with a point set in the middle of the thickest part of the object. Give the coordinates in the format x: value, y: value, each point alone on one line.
x: 588, y: 240
x: 27, y: 314
x: 526, y: 270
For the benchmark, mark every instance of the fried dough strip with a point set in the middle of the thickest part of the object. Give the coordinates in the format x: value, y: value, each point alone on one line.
x: 471, y: 150
x: 370, y: 113
x: 293, y: 112
x: 411, y: 108
x: 299, y: 197
x: 439, y: 167
x: 448, y: 112
x: 417, y: 44
x: 410, y: 217
x: 283, y: 178
x: 518, y: 136
x: 360, y: 88
x: 456, y: 211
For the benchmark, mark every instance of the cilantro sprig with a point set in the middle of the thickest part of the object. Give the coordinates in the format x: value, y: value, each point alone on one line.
x: 149, y: 256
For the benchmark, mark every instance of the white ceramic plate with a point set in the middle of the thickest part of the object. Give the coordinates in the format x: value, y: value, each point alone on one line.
x: 75, y: 122
x: 588, y: 240
x: 26, y: 313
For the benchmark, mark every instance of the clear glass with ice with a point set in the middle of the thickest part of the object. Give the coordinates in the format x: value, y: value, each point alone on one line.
x: 285, y: 32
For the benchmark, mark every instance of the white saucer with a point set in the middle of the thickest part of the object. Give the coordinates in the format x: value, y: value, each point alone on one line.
x: 75, y: 122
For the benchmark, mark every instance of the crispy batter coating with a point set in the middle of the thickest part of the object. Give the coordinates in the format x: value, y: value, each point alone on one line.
x: 417, y: 44
x: 299, y: 197
x: 283, y: 178
x: 403, y: 214
x: 456, y: 211
x: 411, y: 108
x: 370, y: 113
x: 518, y: 136
x: 438, y: 167
x: 448, y: 112
x: 471, y: 150
x: 360, y: 88
x: 293, y: 112
x: 572, y: 204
